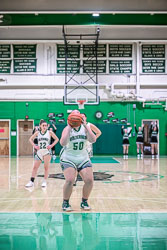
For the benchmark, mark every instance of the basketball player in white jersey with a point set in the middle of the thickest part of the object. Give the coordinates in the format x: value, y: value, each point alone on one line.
x: 97, y: 133
x: 89, y: 146
x: 43, y: 151
x: 74, y: 157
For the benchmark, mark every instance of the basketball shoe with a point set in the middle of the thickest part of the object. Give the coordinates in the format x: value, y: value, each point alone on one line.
x: 44, y: 184
x: 66, y: 206
x: 29, y: 184
x: 85, y: 206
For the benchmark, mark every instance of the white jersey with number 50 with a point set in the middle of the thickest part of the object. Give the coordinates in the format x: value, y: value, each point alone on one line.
x: 75, y: 150
x: 77, y: 141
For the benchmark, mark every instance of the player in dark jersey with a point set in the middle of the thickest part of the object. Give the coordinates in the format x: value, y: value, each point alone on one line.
x: 52, y: 128
x: 139, y: 141
x: 125, y: 142
x: 154, y: 140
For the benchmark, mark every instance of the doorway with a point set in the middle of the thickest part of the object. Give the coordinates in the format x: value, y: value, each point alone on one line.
x: 24, y: 128
x: 4, y: 137
x: 147, y: 135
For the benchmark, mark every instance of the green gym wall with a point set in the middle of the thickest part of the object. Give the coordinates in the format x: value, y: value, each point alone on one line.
x: 111, y: 139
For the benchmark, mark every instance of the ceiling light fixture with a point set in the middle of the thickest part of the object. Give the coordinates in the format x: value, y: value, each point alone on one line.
x: 1, y: 16
x: 95, y: 14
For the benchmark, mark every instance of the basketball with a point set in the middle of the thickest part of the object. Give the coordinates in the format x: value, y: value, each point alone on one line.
x: 75, y: 119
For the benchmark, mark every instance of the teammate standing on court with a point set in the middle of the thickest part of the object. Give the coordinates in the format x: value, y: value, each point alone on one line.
x: 139, y: 141
x: 97, y: 133
x: 43, y: 151
x: 52, y: 128
x: 125, y: 142
x: 74, y: 157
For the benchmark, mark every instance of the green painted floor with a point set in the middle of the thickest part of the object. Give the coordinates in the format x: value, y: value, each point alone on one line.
x: 86, y: 231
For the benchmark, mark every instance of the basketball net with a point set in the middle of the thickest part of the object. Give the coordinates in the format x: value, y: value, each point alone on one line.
x: 81, y: 104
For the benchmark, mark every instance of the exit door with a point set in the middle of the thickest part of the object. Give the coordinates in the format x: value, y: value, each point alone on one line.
x: 25, y: 129
x: 4, y: 137
x: 147, y: 136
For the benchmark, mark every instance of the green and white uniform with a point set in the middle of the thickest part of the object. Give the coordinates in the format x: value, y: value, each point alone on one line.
x: 75, y: 154
x: 89, y: 145
x: 43, y: 142
x: 154, y: 135
x: 125, y: 137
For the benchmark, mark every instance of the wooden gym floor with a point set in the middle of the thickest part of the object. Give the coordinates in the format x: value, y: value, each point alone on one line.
x: 129, y: 207
x: 135, y: 186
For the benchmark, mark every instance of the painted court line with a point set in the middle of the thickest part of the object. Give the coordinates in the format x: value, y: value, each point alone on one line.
x: 116, y: 159
x: 159, y: 200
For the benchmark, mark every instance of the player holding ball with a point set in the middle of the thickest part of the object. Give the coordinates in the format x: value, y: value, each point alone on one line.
x: 74, y: 158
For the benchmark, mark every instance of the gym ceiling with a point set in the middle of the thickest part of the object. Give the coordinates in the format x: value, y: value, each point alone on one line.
x: 117, y: 20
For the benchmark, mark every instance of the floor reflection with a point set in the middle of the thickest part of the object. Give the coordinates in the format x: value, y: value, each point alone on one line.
x: 5, y: 173
x: 83, y: 231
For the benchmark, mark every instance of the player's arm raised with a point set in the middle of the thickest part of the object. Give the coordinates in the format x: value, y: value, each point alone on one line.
x: 95, y: 130
x: 90, y: 135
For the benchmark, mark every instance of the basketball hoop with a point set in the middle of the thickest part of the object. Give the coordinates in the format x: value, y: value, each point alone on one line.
x: 81, y: 104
